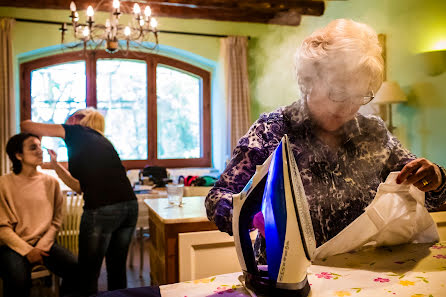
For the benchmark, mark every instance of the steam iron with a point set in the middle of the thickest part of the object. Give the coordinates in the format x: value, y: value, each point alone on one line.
x: 275, y: 189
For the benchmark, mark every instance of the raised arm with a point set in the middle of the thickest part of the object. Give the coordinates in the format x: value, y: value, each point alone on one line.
x: 252, y: 150
x: 40, y: 129
x: 64, y: 174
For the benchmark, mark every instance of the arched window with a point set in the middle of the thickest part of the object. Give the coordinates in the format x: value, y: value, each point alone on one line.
x: 157, y: 109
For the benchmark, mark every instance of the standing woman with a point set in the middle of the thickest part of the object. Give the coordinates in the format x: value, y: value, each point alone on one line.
x: 110, y: 209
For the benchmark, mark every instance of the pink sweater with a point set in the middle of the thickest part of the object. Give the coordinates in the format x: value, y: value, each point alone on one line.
x: 30, y: 212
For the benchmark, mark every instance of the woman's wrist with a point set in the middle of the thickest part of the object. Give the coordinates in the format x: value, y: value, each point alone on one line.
x: 443, y: 179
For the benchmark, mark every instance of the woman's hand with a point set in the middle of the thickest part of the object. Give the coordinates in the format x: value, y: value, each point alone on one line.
x: 422, y: 173
x: 53, y: 158
x: 259, y: 223
x: 35, y: 256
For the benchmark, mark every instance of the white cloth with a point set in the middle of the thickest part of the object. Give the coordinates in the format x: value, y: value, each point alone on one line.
x: 396, y: 215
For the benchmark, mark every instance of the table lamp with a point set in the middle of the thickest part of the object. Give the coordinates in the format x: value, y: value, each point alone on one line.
x: 390, y: 93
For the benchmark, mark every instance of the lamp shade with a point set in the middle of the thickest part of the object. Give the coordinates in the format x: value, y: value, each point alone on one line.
x: 390, y: 92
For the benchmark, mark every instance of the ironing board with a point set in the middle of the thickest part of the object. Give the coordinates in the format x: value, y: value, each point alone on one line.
x: 415, y: 270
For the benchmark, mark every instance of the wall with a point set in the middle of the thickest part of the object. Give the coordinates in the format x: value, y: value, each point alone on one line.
x: 411, y: 27
x: 33, y: 40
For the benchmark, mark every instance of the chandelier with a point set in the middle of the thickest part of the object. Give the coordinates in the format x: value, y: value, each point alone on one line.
x: 112, y: 34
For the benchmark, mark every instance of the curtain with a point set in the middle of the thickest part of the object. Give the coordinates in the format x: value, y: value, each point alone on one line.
x: 237, y: 87
x: 7, y: 113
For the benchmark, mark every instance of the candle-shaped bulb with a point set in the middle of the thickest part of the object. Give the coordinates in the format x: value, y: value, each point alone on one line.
x: 116, y: 4
x: 147, y: 11
x: 141, y: 22
x: 90, y: 11
x: 76, y: 16
x: 127, y: 31
x: 136, y: 9
x: 72, y: 6
x: 153, y: 23
x: 86, y: 31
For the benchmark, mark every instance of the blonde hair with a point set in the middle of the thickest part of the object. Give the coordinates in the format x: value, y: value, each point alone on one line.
x: 89, y: 117
x: 342, y: 46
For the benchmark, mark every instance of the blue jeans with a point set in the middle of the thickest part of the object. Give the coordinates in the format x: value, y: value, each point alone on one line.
x: 15, y: 270
x: 106, y: 232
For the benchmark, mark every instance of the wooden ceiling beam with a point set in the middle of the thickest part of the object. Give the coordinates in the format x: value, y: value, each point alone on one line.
x: 249, y: 4
x: 255, y: 11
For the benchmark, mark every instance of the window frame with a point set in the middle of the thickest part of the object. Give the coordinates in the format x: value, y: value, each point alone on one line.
x: 152, y: 60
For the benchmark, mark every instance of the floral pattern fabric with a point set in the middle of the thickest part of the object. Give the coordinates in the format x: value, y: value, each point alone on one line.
x: 338, y: 184
x: 412, y: 270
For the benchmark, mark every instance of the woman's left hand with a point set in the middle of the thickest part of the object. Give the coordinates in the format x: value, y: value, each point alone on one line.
x: 422, y: 173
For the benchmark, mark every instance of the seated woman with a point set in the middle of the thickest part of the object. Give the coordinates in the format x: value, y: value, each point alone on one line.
x: 30, y: 217
x: 342, y: 155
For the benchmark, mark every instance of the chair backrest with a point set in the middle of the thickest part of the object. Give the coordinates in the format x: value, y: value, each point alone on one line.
x: 39, y: 271
x: 68, y: 236
x: 196, y: 191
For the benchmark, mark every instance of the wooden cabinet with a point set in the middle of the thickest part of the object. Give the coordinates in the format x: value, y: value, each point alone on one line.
x: 207, y: 253
x: 165, y: 223
x: 440, y: 219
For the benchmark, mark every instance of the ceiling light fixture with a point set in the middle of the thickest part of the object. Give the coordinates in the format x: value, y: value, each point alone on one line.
x: 141, y: 30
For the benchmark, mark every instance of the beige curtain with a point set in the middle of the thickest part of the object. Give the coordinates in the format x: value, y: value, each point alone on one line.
x: 234, y: 50
x: 7, y: 112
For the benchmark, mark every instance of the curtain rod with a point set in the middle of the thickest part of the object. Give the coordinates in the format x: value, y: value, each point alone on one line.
x: 160, y: 31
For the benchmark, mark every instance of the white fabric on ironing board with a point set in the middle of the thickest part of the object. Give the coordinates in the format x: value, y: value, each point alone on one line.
x: 395, y: 216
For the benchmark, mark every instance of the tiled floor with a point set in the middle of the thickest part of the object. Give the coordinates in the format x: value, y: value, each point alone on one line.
x: 133, y: 279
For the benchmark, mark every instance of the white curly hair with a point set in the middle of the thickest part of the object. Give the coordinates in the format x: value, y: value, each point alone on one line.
x: 343, y: 48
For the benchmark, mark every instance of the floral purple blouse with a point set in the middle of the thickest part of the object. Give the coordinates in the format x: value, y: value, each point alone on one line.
x: 338, y: 184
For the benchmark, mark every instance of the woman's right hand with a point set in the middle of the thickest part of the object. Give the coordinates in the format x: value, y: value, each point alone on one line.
x: 35, y: 256
x: 53, y: 158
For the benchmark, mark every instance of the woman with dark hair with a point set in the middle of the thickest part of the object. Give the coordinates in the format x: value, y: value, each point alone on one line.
x: 30, y: 216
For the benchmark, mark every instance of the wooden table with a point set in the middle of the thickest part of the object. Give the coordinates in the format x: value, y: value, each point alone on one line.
x: 165, y: 223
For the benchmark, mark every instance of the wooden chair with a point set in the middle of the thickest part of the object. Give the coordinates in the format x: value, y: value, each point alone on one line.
x: 44, y: 282
x: 40, y: 285
x: 440, y: 218
x: 68, y: 236
x: 142, y: 231
x: 196, y: 191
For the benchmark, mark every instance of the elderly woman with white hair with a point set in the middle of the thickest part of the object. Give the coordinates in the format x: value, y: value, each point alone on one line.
x: 342, y: 155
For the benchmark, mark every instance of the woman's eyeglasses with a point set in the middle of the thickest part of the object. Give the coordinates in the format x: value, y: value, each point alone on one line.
x: 342, y: 97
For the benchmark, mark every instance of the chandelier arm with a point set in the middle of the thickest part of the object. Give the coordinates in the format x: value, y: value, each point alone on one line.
x: 97, y: 45
x: 72, y: 46
x: 142, y: 45
x: 140, y: 33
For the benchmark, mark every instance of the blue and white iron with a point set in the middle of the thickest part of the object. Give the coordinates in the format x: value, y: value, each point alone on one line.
x: 275, y: 189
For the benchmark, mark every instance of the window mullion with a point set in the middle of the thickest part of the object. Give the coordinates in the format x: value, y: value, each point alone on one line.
x: 91, y: 79
x: 151, y: 109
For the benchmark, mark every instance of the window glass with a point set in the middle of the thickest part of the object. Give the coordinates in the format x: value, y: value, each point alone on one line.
x: 56, y: 92
x: 122, y: 97
x: 178, y: 114
x: 122, y: 89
